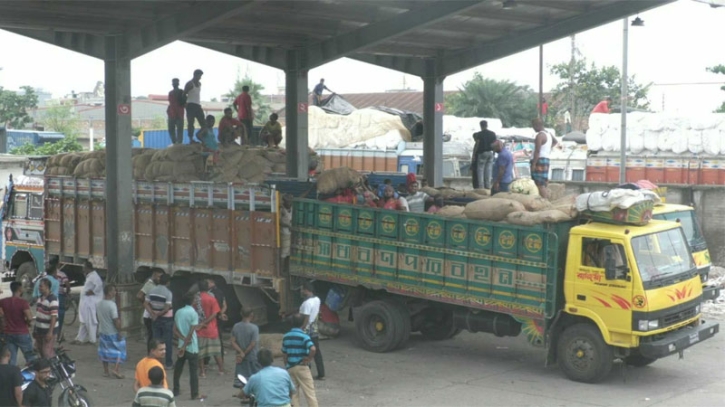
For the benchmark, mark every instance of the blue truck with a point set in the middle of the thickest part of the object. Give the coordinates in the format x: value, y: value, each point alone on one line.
x: 17, y: 138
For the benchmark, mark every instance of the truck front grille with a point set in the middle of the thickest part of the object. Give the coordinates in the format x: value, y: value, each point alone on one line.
x: 678, y: 317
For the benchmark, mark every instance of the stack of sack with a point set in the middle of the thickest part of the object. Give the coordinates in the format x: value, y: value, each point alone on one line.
x: 329, y: 181
x: 93, y: 165
x: 178, y: 163
x: 63, y: 164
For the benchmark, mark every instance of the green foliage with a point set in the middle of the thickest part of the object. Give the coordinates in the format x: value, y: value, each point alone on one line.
x: 514, y: 104
x: 158, y: 122
x: 69, y: 144
x: 262, y: 110
x: 99, y: 146
x: 14, y: 107
x: 63, y: 119
x: 591, y: 85
x: 719, y: 69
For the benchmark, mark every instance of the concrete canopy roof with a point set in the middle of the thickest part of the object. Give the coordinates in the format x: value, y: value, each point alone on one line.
x: 301, y: 35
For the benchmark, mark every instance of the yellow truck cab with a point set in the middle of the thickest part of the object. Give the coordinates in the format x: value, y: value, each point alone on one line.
x: 685, y: 215
x: 639, y: 285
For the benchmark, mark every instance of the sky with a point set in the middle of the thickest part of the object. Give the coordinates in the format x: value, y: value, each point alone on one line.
x: 676, y: 44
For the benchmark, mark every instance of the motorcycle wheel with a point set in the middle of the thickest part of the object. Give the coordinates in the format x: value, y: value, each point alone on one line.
x: 74, y: 397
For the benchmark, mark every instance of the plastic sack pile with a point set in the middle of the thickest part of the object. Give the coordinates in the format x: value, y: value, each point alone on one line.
x: 658, y: 132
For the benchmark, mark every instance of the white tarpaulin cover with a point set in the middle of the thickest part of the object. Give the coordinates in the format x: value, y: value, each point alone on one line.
x: 605, y: 201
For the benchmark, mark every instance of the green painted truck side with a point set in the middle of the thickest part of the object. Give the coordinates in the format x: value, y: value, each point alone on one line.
x: 477, y: 264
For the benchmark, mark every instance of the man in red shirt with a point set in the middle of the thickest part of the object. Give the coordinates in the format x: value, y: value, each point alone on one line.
x: 17, y: 317
x: 230, y: 129
x: 208, y: 334
x: 175, y: 113
x: 603, y: 106
x: 243, y: 106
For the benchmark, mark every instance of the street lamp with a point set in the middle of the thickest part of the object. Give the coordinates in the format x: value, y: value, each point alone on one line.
x: 637, y: 22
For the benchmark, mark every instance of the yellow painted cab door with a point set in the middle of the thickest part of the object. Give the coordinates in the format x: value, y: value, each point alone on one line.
x: 603, y: 285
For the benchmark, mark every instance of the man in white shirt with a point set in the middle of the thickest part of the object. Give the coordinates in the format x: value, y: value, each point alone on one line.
x: 310, y: 309
x: 92, y: 294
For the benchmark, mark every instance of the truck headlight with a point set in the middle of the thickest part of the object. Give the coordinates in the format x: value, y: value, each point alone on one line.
x: 646, y: 325
x: 697, y: 309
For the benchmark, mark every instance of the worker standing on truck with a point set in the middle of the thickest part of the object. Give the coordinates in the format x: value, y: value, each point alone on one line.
x: 298, y: 351
x: 484, y: 155
x: 317, y: 92
x: 91, y: 295
x: 543, y: 142
x: 192, y: 91
x: 416, y: 199
x: 603, y: 106
x: 175, y: 113
x: 503, y: 168
x: 141, y: 297
x: 243, y: 105
x: 310, y: 309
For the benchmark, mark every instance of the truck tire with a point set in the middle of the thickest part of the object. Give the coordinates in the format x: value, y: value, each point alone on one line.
x: 439, y: 325
x: 638, y: 360
x: 583, y: 355
x: 402, y: 323
x: 375, y: 323
x: 25, y: 275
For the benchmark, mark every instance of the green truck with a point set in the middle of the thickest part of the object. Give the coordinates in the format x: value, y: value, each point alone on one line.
x: 589, y: 293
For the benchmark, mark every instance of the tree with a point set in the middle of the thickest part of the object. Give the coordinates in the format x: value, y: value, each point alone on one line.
x: 14, y: 107
x: 719, y: 69
x: 591, y: 85
x: 261, y: 110
x: 69, y: 144
x: 514, y: 104
x: 63, y: 119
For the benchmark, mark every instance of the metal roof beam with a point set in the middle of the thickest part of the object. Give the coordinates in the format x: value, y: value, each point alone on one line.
x: 274, y: 57
x: 86, y: 44
x: 186, y: 22
x: 337, y: 47
x: 412, y: 66
x: 458, y: 61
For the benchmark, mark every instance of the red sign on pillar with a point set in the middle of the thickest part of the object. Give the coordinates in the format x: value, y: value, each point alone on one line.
x: 124, y: 109
x: 302, y: 107
x: 439, y: 108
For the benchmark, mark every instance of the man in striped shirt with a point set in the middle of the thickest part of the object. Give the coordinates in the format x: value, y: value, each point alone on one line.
x: 298, y: 351
x: 154, y: 395
x: 158, y: 304
x: 46, y: 320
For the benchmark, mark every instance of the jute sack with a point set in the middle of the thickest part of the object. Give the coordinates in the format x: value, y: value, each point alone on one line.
x: 279, y: 168
x: 531, y: 202
x: 257, y: 165
x: 566, y: 204
x: 482, y: 191
x: 537, y: 218
x: 431, y: 191
x: 275, y: 156
x: 158, y: 169
x: 524, y: 186
x: 493, y: 209
x: 451, y: 211
x: 556, y: 191
x: 56, y: 160
x: 160, y: 155
x: 332, y: 180
x: 63, y: 171
x: 179, y: 152
x: 448, y: 193
x: 474, y: 195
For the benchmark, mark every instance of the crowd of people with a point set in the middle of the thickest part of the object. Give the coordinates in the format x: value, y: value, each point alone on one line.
x: 187, y: 102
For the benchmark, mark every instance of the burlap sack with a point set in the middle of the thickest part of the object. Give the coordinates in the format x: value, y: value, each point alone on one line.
x: 566, y: 204
x: 537, y: 218
x: 556, y: 191
x: 451, y: 211
x: 493, y: 209
x: 531, y: 202
x: 140, y: 162
x: 51, y: 170
x: 158, y: 169
x: 160, y: 155
x: 331, y: 180
x: 275, y: 155
x: 281, y: 168
x: 447, y: 193
x: 100, y: 154
x: 62, y: 171
x: 58, y: 160
x: 431, y: 191
x: 180, y: 152
x: 524, y: 186
x: 482, y: 191
x: 257, y: 165
x: 474, y: 195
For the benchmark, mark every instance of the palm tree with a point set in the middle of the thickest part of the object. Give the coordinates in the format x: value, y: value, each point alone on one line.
x: 514, y: 104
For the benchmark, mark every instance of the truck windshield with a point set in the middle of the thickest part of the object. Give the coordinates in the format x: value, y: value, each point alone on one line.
x: 663, y: 258
x: 689, y: 225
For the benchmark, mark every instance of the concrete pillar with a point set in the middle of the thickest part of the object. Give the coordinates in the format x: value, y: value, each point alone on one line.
x: 296, y: 107
x: 433, y: 124
x: 119, y: 200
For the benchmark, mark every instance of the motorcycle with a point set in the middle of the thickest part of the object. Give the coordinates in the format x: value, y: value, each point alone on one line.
x: 62, y: 372
x: 251, y: 401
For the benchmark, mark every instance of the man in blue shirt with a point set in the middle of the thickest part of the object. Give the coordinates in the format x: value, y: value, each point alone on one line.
x: 317, y: 92
x: 206, y: 135
x: 299, y: 350
x: 503, y: 167
x: 186, y: 321
x: 271, y: 386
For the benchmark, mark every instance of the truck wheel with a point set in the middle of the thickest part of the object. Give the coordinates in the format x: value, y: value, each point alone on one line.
x: 439, y: 325
x: 25, y: 275
x: 375, y: 324
x: 583, y: 355
x: 638, y: 360
x: 402, y: 321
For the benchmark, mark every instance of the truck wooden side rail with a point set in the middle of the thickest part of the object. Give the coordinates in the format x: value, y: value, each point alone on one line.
x: 189, y: 230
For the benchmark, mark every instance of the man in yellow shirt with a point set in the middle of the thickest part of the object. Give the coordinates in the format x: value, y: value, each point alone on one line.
x: 272, y: 131
x: 157, y: 353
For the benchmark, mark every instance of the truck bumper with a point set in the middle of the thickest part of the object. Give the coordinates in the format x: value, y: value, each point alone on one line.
x: 710, y: 292
x: 677, y: 341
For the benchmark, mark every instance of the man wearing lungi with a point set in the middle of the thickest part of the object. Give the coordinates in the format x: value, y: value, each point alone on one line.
x: 90, y: 297
x: 209, y: 345
x: 111, y: 345
x: 544, y: 142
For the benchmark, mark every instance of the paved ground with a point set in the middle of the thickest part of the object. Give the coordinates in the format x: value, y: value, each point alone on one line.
x: 469, y: 370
